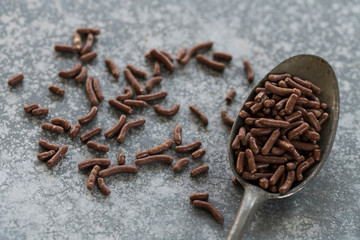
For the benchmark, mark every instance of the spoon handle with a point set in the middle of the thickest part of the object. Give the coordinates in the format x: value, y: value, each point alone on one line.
x: 253, y: 198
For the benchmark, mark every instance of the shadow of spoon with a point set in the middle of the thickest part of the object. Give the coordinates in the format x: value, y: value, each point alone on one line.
x: 318, y: 71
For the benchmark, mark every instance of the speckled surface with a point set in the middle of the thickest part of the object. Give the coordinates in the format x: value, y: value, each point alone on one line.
x: 42, y: 203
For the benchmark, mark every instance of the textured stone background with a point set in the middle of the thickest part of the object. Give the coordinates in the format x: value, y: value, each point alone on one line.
x: 42, y: 203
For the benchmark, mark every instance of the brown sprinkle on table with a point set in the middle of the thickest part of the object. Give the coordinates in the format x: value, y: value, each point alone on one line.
x: 116, y: 128
x: 177, y: 134
x: 135, y: 103
x: 97, y: 146
x: 102, y: 162
x: 92, y: 177
x: 121, y: 159
x: 127, y: 127
x: 181, y: 54
x: 15, y: 79
x: 72, y: 72
x: 87, y: 30
x: 64, y: 48
x: 226, y: 119
x: 148, y: 55
x: 192, y: 51
x: 200, y: 114
x: 118, y: 169
x: 151, y: 82
x: 203, y: 196
x: 82, y: 75
x: 30, y: 107
x: 198, y: 153
x: 152, y: 96
x: 161, y: 148
x: 52, y: 128
x: 199, y: 170
x: 120, y: 106
x: 142, y: 154
x: 90, y: 91
x: 154, y: 159
x: 230, y: 95
x: 128, y: 94
x: 57, y: 156
x: 61, y: 122
x: 188, y: 148
x: 133, y: 82
x: 222, y: 56
x: 210, y: 63
x: 45, y: 155
x: 88, y: 44
x: 178, y: 166
x: 88, y: 117
x: 48, y: 146
x: 157, y: 70
x: 102, y: 187
x: 88, y: 56
x: 75, y: 130
x: 136, y: 71
x: 90, y: 134
x: 167, y: 112
x: 249, y: 71
x: 168, y: 55
x: 164, y: 59
x: 56, y: 90
x: 112, y: 67
x: 210, y: 208
x: 97, y: 90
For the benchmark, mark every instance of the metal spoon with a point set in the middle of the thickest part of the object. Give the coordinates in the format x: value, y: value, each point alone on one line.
x: 320, y: 73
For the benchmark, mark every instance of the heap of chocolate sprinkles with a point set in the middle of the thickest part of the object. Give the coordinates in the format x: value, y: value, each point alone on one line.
x: 278, y: 141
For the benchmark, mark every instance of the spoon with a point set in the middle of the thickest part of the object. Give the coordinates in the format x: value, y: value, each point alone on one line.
x: 318, y: 71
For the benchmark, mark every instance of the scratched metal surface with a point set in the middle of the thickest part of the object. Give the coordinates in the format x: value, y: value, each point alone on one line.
x: 42, y: 203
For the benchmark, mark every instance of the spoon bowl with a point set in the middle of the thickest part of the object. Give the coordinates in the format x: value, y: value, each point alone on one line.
x: 318, y: 71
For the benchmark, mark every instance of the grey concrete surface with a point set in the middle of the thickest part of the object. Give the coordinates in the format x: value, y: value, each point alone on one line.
x: 41, y: 203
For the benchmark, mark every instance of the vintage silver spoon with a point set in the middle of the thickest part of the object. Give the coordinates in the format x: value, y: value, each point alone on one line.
x: 320, y: 73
